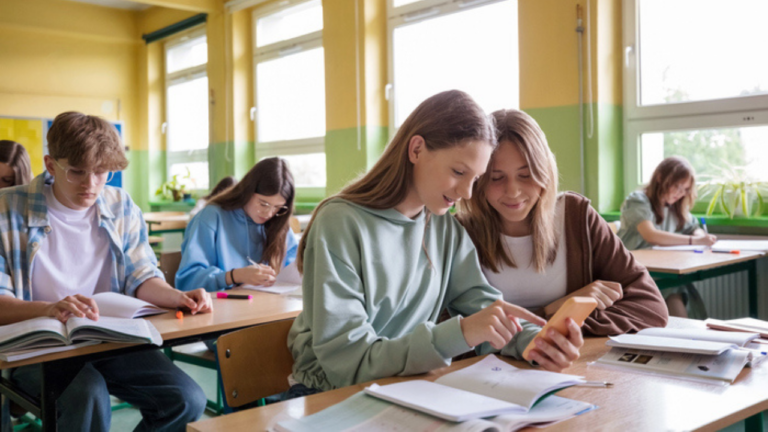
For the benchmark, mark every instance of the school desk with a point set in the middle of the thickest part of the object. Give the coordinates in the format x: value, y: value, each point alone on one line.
x: 638, y: 402
x: 675, y: 268
x: 228, y: 315
x: 166, y: 222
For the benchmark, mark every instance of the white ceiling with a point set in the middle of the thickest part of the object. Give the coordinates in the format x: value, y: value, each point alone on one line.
x: 117, y: 4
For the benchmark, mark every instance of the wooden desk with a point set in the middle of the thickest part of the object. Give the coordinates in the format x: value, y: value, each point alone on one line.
x: 674, y: 268
x: 166, y: 222
x: 636, y: 402
x: 227, y: 315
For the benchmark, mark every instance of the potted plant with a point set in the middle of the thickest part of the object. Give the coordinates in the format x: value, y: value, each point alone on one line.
x: 174, y: 188
x: 735, y: 191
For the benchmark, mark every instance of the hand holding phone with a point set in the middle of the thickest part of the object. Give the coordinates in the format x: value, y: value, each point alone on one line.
x: 576, y: 308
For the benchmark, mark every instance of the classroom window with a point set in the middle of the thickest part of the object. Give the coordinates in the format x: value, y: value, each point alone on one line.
x: 186, y: 128
x: 290, y: 88
x: 695, y: 85
x: 465, y: 45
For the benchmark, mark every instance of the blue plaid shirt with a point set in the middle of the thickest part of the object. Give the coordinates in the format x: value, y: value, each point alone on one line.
x: 24, y: 225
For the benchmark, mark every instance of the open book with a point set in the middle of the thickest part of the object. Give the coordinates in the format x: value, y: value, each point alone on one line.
x: 748, y: 325
x: 287, y: 281
x: 694, y: 341
x: 44, y: 335
x: 116, y: 305
x: 488, y: 388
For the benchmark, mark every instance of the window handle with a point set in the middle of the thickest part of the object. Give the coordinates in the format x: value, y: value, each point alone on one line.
x: 388, y: 91
x: 628, y: 50
x: 253, y: 113
x: 164, y: 128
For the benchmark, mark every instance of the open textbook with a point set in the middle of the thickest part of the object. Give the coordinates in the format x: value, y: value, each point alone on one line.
x: 287, y: 281
x: 748, y: 325
x: 490, y: 387
x: 116, y: 305
x: 363, y: 413
x: 694, y: 341
x: 45, y: 335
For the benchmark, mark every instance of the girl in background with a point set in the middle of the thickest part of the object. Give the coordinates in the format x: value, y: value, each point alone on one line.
x: 536, y: 255
x: 659, y: 215
x: 15, y: 168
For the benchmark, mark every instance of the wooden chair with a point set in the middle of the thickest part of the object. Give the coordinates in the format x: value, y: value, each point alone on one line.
x: 169, y: 265
x: 295, y: 225
x: 254, y: 363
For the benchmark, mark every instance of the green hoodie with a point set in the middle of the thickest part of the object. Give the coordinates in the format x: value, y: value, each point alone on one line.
x: 372, y: 300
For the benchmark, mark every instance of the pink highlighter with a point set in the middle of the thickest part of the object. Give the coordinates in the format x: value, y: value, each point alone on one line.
x: 223, y: 295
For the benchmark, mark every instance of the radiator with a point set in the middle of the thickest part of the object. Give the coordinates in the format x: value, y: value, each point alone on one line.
x: 726, y: 297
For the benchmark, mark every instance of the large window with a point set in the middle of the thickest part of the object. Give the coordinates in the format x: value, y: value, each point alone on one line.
x: 290, y: 88
x: 186, y: 126
x: 695, y: 85
x: 438, y: 45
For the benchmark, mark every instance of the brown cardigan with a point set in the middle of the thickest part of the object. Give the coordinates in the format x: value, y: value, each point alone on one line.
x: 594, y: 252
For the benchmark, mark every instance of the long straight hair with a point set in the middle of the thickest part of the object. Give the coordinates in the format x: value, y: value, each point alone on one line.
x: 269, y: 177
x: 670, y: 172
x: 445, y: 120
x: 16, y: 156
x: 484, y: 224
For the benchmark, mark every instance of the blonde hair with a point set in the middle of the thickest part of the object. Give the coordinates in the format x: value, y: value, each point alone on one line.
x: 670, y: 172
x: 484, y: 224
x: 444, y: 120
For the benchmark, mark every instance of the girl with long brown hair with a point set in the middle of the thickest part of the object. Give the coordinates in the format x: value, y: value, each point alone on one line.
x: 384, y: 257
x: 15, y: 167
x: 659, y: 215
x: 242, y: 236
x: 540, y: 248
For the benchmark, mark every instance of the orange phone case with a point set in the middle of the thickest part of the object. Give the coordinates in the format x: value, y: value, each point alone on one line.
x: 577, y: 308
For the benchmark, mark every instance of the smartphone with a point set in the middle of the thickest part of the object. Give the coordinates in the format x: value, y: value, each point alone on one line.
x: 576, y: 308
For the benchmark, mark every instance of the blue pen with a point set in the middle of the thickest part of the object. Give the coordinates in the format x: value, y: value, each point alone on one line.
x: 704, y: 225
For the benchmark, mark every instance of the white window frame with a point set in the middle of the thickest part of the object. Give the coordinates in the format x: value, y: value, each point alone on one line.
x: 276, y: 50
x: 178, y: 77
x: 734, y: 112
x: 414, y: 13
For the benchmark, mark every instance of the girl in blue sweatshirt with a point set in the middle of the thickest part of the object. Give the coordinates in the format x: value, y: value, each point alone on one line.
x: 243, y: 235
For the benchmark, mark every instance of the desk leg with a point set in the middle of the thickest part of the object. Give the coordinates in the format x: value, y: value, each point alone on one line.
x: 57, y: 375
x: 752, y: 277
x: 754, y: 423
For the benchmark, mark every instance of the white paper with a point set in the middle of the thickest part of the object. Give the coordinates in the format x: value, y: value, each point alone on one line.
x: 668, y: 344
x: 288, y: 281
x: 736, y: 338
x: 741, y: 245
x: 680, y: 248
x: 497, y: 379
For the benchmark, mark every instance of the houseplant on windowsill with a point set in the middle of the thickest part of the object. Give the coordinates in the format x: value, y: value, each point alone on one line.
x: 737, y: 193
x: 175, y: 188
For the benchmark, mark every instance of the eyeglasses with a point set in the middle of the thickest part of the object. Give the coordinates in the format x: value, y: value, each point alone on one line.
x: 269, y: 209
x: 75, y: 175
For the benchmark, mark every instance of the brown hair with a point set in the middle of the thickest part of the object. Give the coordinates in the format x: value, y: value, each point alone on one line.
x: 444, y: 120
x: 86, y: 141
x: 484, y: 224
x: 268, y: 177
x: 16, y: 156
x: 223, y: 184
x: 670, y: 172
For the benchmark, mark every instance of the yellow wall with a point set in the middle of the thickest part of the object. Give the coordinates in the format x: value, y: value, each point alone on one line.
x: 59, y: 56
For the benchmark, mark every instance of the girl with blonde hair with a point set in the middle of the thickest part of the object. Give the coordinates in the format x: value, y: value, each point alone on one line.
x: 383, y: 258
x: 540, y: 248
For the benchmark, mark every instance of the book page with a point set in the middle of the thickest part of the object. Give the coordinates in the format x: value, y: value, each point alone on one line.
x: 551, y: 410
x: 724, y: 367
x: 34, y: 352
x: 113, y: 330
x: 41, y: 331
x: 499, y: 380
x: 739, y: 339
x: 116, y: 305
x: 638, y: 341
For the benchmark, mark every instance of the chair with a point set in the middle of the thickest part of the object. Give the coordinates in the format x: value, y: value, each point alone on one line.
x: 295, y: 225
x: 254, y: 363
x: 196, y: 354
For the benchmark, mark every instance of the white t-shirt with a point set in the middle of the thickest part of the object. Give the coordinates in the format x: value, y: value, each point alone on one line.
x: 523, y: 286
x: 74, y: 258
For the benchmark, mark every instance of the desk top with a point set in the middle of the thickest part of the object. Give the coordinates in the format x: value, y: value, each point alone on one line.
x: 645, y: 402
x: 683, y: 262
x: 159, y: 217
x: 227, y: 314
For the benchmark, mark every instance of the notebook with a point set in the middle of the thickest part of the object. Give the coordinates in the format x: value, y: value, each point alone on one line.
x: 288, y: 281
x: 116, y: 305
x: 488, y: 388
x: 694, y: 341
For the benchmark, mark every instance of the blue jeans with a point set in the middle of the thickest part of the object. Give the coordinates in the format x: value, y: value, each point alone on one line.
x: 166, y: 396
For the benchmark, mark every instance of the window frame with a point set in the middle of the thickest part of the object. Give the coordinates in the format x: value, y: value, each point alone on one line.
x: 179, y: 77
x: 273, y: 51
x: 733, y: 112
x: 414, y: 13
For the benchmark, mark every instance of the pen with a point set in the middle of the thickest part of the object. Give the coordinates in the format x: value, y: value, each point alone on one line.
x: 595, y: 384
x: 704, y: 225
x: 254, y: 263
x: 233, y: 296
x: 735, y: 252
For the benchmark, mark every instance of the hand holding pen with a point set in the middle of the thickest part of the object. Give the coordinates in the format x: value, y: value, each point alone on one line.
x: 705, y: 240
x: 254, y: 274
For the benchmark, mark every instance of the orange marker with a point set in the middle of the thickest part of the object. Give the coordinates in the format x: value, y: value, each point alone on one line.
x: 734, y: 252
x: 179, y: 314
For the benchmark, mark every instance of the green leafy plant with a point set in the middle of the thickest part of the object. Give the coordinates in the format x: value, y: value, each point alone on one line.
x: 733, y: 189
x: 175, y: 187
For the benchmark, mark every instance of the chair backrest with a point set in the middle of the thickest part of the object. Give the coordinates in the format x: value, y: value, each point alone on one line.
x: 169, y: 265
x: 255, y: 362
x: 295, y: 225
